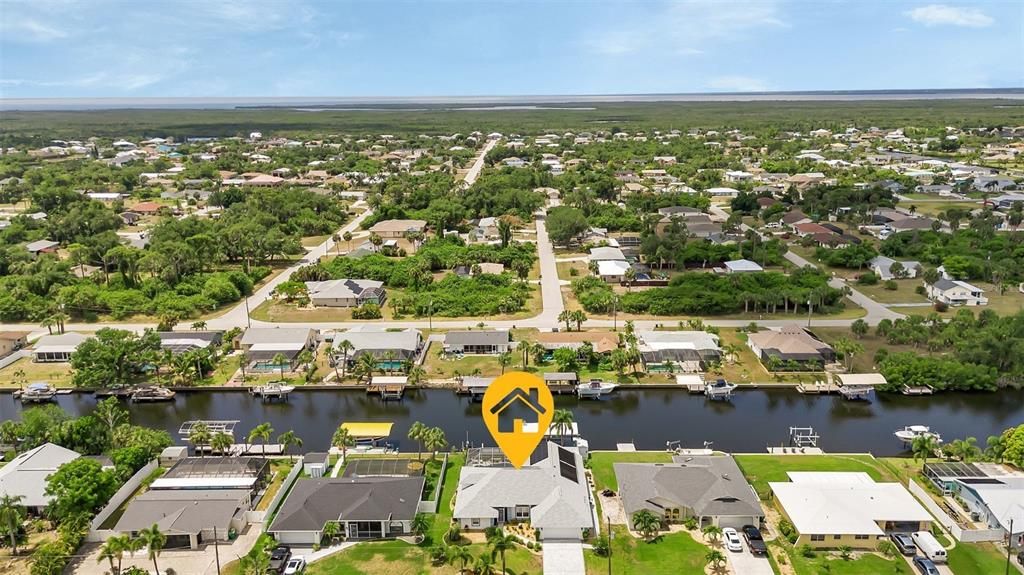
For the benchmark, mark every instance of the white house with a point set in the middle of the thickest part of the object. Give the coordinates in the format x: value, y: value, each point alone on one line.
x: 742, y: 266
x: 57, y: 348
x: 955, y: 292
x: 882, y: 267
x: 998, y: 502
x: 26, y: 474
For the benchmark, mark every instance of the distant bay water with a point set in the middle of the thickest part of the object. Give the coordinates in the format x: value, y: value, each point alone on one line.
x: 413, y: 103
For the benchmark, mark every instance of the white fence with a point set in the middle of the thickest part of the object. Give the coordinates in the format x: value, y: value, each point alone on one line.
x: 254, y: 516
x: 960, y: 534
x: 431, y: 506
x: 97, y: 535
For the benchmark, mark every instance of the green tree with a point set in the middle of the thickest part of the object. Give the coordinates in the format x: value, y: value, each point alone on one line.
x: 199, y: 435
x: 459, y: 554
x: 263, y: 432
x: 153, y: 540
x: 565, y: 224
x: 713, y: 533
x: 562, y: 420
x: 114, y: 548
x: 79, y: 486
x: 281, y: 362
x: 504, y: 360
x: 110, y: 413
x: 715, y: 558
x: 417, y: 433
x: 924, y: 446
x: 113, y: 358
x: 646, y: 523
x: 343, y: 439
x: 421, y: 523
x: 435, y: 439
x: 859, y: 328
x: 221, y: 442
x: 289, y: 439
x: 12, y: 513
x: 524, y: 347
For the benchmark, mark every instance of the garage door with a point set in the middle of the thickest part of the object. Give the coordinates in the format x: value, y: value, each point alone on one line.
x: 735, y: 522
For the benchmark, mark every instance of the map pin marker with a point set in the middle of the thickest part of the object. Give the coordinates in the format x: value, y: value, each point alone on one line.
x: 517, y: 409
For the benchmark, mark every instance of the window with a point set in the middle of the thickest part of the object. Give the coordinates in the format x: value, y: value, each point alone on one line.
x: 837, y: 537
x: 861, y: 537
x: 522, y: 511
x: 817, y: 537
x: 475, y: 522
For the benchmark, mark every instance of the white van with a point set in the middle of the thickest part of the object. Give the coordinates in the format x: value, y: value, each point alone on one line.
x: 929, y: 546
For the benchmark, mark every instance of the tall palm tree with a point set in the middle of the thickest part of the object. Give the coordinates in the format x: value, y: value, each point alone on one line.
x: 221, y: 442
x: 500, y: 543
x: 459, y: 554
x: 416, y: 375
x: 484, y: 565
x: 562, y: 421
x: 280, y: 361
x: 417, y: 433
x: 154, y: 542
x: 343, y: 439
x: 345, y: 347
x: 367, y: 364
x: 504, y: 360
x: 966, y: 449
x: 288, y: 439
x: 389, y: 360
x: 262, y: 432
x: 646, y: 523
x: 524, y: 347
x: 565, y: 316
x: 199, y: 435
x: 115, y: 548
x: 435, y: 439
x: 578, y: 317
x: 924, y: 446
x: 12, y: 513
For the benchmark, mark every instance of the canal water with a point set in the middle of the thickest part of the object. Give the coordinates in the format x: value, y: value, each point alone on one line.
x: 649, y: 418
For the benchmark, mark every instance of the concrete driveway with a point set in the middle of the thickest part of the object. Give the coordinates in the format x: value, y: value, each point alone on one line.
x: 183, y: 561
x: 563, y: 558
x: 746, y: 563
x: 942, y: 567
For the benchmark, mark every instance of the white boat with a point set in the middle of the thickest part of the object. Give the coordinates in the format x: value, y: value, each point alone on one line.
x: 911, y: 432
x: 151, y: 393
x: 38, y: 393
x: 595, y: 389
x: 272, y: 390
x: 719, y: 389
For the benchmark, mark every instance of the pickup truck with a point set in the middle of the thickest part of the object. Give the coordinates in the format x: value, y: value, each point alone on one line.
x: 279, y: 558
x: 754, y: 540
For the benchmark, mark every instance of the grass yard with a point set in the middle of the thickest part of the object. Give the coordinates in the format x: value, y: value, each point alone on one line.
x: 58, y: 374
x: 865, y: 361
x: 671, y: 554
x: 971, y: 558
x: 281, y: 469
x: 904, y: 292
x: 604, y: 474
x: 762, y: 469
x: 1009, y: 303
x: 833, y: 564
x: 935, y: 208
x: 564, y: 268
x: 314, y: 241
x: 439, y: 367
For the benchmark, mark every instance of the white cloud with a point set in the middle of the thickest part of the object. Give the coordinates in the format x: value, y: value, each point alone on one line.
x: 738, y: 84
x: 30, y: 30
x: 945, y: 15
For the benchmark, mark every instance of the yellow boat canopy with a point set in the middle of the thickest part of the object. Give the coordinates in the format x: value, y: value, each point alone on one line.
x: 368, y: 429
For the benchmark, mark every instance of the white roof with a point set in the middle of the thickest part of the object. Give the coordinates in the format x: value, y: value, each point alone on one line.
x: 606, y: 253
x: 844, y: 503
x: 203, y: 483
x: 26, y: 474
x: 63, y: 343
x: 276, y: 335
x: 658, y: 340
x: 861, y: 378
x: 284, y: 346
x: 389, y: 379
x: 1005, y: 500
x: 612, y: 268
x: 743, y: 266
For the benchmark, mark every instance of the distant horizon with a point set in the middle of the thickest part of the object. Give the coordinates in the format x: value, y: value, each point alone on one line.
x: 484, y: 100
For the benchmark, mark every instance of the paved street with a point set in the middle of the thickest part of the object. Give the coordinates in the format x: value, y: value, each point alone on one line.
x: 478, y: 164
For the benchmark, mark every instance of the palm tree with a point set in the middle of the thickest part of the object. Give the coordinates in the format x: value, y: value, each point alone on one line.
x: 280, y: 361
x: 965, y: 449
x: 646, y: 523
x: 712, y: 532
x: 924, y: 446
x: 366, y: 365
x: 417, y: 432
x: 344, y: 347
x: 115, y: 548
x: 565, y: 316
x: 459, y: 554
x: 715, y: 558
x: 347, y: 236
x: 336, y: 239
x: 221, y: 442
x: 288, y: 439
x: 332, y: 530
x: 504, y: 360
x: 343, y: 439
x: 421, y: 523
x: 434, y: 440
x: 154, y: 541
x: 255, y: 563
x: 416, y: 375
x: 500, y: 543
x: 562, y: 421
x: 12, y: 513
x: 262, y: 432
x: 524, y: 347
x: 485, y: 565
x: 579, y: 317
x: 199, y: 435
x: 198, y: 325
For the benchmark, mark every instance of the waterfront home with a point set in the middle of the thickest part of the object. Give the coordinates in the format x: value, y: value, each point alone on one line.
x: 26, y: 475
x: 833, y: 509
x: 882, y: 267
x: 363, y: 508
x: 600, y: 341
x: 478, y: 341
x: 179, y: 342
x: 710, y: 489
x: 57, y: 348
x: 263, y: 344
x: 12, y: 341
x: 688, y: 351
x: 346, y: 292
x: 997, y: 502
x: 790, y: 343
x: 552, y: 494
x: 249, y: 473
x: 397, y: 228
x: 187, y: 517
x: 955, y: 293
x: 402, y: 345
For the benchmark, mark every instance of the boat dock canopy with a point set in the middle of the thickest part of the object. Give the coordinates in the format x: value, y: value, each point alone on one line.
x: 871, y: 379
x: 369, y: 429
x: 214, y: 426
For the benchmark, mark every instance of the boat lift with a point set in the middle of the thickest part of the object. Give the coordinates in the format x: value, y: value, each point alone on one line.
x: 803, y: 437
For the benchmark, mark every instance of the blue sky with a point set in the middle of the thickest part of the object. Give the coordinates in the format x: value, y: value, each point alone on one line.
x: 159, y: 48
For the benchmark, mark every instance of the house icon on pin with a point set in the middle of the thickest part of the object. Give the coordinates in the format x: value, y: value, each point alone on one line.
x: 516, y: 408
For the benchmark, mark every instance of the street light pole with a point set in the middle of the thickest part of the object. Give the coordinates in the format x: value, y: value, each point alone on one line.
x: 1009, y: 547
x: 216, y: 549
x: 248, y: 321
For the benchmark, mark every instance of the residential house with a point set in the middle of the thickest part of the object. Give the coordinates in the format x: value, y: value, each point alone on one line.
x: 613, y: 271
x: 790, y: 343
x: 600, y: 341
x: 794, y: 218
x: 263, y: 344
x: 147, y: 208
x: 742, y: 266
x: 993, y: 183
x: 478, y: 341
x: 400, y: 345
x: 363, y: 508
x: 835, y: 509
x: 601, y: 254
x: 42, y: 247
x: 397, y: 228
x: 26, y: 475
x: 552, y: 494
x: 735, y: 176
x: 998, y: 502
x: 179, y: 342
x: 882, y: 267
x: 12, y: 341
x: 711, y: 489
x: 689, y: 351
x: 955, y: 293
x: 346, y: 292
x: 56, y: 348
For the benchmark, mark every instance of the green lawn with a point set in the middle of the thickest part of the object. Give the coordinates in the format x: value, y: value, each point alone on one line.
x: 58, y: 374
x: 971, y: 558
x: 832, y: 564
x: 904, y: 292
x: 604, y: 474
x: 671, y: 554
x: 445, y: 368
x: 762, y: 469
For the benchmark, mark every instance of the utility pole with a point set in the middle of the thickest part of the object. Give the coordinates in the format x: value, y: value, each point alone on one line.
x: 430, y: 315
x: 248, y: 321
x: 1009, y: 547
x: 609, y: 545
x: 810, y: 308
x: 615, y: 316
x: 216, y: 549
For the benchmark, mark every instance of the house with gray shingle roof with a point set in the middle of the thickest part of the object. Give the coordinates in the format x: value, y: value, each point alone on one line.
x: 26, y: 474
x: 478, y: 341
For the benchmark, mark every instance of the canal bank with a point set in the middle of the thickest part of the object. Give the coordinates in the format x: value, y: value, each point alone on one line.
x: 754, y: 420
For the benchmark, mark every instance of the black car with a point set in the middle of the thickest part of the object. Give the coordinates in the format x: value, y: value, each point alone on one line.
x: 279, y: 558
x: 754, y: 540
x: 925, y: 566
x: 904, y: 543
x: 1020, y: 558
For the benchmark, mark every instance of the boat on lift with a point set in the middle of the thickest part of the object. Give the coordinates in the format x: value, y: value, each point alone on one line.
x: 273, y: 390
x: 595, y: 389
x: 151, y: 393
x: 911, y: 432
x: 37, y: 393
x: 719, y: 389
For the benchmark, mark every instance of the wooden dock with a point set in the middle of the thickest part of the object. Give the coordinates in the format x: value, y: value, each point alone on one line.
x: 918, y: 390
x: 817, y: 388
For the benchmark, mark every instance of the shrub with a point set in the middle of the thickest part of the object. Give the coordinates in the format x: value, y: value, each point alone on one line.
x: 919, y: 290
x: 868, y: 279
x: 807, y: 551
x: 601, y: 546
x: 891, y: 285
x: 690, y: 523
x: 941, y: 306
x: 788, y: 531
x: 367, y: 311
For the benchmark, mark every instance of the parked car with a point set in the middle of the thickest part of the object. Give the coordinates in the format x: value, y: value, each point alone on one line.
x: 925, y: 566
x: 905, y: 544
x: 754, y: 540
x: 929, y: 546
x: 279, y: 558
x: 1020, y: 558
x: 295, y: 566
x: 732, y: 539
